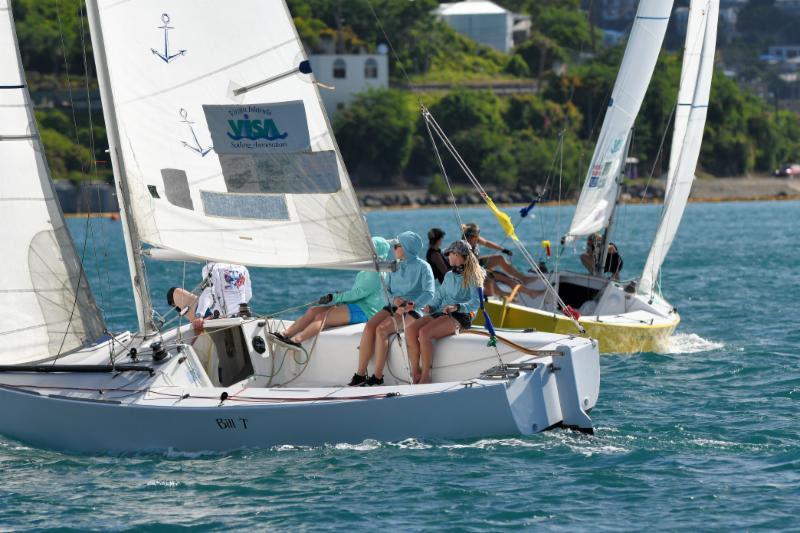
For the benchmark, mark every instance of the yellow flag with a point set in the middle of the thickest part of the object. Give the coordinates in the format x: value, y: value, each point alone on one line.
x: 504, y: 219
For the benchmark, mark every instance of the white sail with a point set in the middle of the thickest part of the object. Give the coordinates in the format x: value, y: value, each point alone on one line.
x: 678, y: 193
x: 695, y: 33
x: 215, y: 168
x: 599, y: 193
x: 47, y: 305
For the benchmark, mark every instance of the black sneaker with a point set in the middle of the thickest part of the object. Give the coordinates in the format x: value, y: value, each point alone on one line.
x: 357, y: 381
x: 372, y: 381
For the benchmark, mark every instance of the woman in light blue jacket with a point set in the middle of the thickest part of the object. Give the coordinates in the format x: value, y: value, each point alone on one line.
x: 410, y: 286
x: 355, y: 306
x: 453, y: 309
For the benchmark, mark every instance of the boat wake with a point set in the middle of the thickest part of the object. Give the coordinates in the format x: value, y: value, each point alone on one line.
x: 691, y: 343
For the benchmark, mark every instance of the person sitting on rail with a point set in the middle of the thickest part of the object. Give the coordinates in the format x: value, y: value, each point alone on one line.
x: 226, y: 293
x: 592, y: 257
x: 355, y: 306
x: 452, y: 309
x: 513, y: 278
x: 434, y: 255
x: 411, y: 285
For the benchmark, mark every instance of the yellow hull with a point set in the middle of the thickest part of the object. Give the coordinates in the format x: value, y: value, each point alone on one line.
x: 614, y: 337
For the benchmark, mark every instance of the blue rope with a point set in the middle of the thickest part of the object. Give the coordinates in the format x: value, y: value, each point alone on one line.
x: 488, y: 321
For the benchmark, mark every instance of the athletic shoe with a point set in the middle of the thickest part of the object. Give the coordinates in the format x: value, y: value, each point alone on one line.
x: 372, y: 381
x: 286, y: 341
x: 357, y: 381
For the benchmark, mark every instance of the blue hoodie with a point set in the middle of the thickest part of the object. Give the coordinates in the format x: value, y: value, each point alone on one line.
x: 453, y: 292
x: 413, y: 280
x: 367, y: 291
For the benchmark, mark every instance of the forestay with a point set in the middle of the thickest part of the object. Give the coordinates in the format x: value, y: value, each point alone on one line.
x: 599, y: 193
x: 216, y: 172
x: 47, y: 305
x: 688, y: 149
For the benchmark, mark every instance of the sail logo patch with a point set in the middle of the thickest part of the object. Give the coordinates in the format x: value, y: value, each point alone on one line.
x: 254, y: 129
x: 595, y: 175
x: 258, y: 128
x: 616, y: 144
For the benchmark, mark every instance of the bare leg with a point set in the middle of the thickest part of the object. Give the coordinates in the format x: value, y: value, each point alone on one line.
x: 443, y: 326
x: 587, y: 260
x: 498, y: 261
x: 302, y: 323
x: 184, y: 299
x: 412, y: 341
x: 367, y: 345
x: 511, y: 282
x: 382, y: 340
x: 492, y: 289
x: 334, y: 316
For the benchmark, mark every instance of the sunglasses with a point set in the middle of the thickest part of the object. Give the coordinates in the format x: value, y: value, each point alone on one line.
x: 396, y: 246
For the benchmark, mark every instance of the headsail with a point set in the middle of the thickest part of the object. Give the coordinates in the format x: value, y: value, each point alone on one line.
x: 47, y: 305
x: 227, y: 150
x: 599, y: 193
x: 689, y: 151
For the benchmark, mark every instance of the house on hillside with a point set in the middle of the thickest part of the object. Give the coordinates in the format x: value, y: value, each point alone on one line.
x: 486, y: 22
x: 347, y: 75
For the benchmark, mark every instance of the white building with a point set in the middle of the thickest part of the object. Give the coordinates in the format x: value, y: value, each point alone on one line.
x: 348, y: 74
x: 481, y: 21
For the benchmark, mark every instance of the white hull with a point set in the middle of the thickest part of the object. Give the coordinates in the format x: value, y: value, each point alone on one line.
x: 180, y: 408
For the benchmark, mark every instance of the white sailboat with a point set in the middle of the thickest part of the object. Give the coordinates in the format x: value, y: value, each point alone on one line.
x: 222, y: 151
x: 631, y: 317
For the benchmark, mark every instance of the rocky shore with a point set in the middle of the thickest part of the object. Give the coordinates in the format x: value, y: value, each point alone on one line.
x: 703, y: 190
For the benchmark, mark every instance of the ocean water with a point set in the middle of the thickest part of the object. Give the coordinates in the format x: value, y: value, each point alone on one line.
x: 703, y: 437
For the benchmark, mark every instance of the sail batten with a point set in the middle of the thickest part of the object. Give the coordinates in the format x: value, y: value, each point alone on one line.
x: 213, y: 172
x: 49, y: 307
x: 687, y: 141
x: 598, y: 196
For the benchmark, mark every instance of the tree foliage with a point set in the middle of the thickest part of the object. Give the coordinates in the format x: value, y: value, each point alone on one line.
x: 375, y: 135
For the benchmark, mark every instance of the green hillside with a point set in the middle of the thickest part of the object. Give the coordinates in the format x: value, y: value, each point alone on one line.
x: 509, y: 141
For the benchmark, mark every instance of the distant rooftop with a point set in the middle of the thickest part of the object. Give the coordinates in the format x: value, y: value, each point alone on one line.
x: 471, y: 7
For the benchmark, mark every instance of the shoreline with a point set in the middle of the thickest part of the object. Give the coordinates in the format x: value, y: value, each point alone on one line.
x: 571, y: 201
x: 114, y: 215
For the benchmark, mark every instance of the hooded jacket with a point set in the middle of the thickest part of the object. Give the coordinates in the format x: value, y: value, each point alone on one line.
x: 413, y: 279
x: 367, y: 290
x: 453, y: 292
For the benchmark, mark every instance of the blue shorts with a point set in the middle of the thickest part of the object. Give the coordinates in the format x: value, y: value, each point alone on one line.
x: 357, y: 316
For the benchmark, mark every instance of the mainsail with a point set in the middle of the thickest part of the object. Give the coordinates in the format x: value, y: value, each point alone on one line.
x: 689, y: 140
x: 596, y: 203
x: 225, y: 147
x: 47, y: 305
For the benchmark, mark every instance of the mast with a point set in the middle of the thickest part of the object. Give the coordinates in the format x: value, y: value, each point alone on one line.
x: 610, y: 227
x: 141, y: 292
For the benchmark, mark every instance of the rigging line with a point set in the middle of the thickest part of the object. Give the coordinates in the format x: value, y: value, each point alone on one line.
x: 444, y: 174
x: 391, y: 47
x: 92, y: 144
x: 520, y: 246
x: 81, y: 271
x: 660, y: 151
x: 558, y: 209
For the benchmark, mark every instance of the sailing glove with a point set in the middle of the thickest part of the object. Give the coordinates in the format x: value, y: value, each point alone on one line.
x: 325, y: 299
x: 508, y: 252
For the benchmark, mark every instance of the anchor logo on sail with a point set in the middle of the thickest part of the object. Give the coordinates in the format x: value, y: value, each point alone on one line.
x: 166, y: 57
x: 197, y: 147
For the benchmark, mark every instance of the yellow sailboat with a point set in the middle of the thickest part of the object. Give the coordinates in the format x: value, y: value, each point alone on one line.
x: 631, y: 316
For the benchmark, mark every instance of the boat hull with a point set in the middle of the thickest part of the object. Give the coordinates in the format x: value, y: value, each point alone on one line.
x: 177, y: 408
x: 615, y: 334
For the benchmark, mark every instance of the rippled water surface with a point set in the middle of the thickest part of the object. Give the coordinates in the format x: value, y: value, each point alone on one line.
x: 703, y: 437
